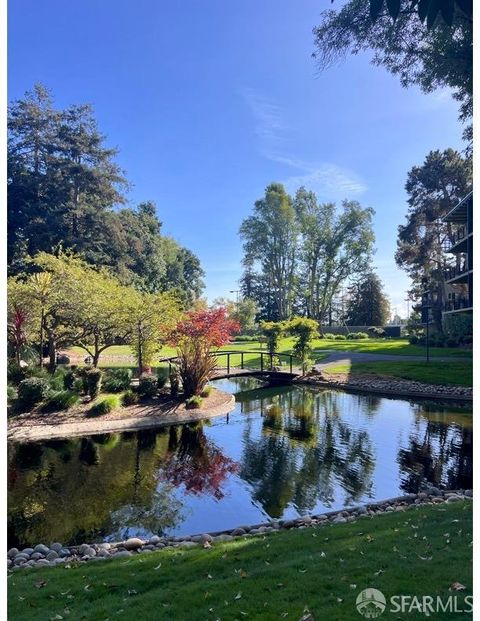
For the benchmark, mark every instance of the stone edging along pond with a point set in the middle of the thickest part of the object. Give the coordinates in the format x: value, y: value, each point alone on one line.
x: 391, y: 387
x: 57, y: 554
x: 88, y: 427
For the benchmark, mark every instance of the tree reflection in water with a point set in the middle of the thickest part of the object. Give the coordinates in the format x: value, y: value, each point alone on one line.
x: 195, y: 463
x: 299, y: 450
x: 439, y: 450
x: 305, y: 451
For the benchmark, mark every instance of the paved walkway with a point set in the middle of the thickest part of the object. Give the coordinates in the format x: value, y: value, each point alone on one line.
x: 335, y: 358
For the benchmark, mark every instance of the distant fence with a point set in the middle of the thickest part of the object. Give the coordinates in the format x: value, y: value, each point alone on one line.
x: 391, y: 331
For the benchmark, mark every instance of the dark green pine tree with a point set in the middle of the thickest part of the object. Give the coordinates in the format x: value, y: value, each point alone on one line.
x: 368, y: 305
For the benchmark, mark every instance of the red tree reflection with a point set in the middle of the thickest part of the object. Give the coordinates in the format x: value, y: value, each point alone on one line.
x: 197, y: 464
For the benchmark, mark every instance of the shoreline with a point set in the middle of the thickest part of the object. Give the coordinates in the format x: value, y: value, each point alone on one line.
x: 389, y: 387
x: 56, y: 553
x: 88, y: 427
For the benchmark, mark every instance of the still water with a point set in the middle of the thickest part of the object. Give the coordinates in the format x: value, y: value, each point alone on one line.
x: 283, y: 452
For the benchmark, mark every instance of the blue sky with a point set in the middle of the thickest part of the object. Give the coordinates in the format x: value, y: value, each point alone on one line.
x: 209, y: 101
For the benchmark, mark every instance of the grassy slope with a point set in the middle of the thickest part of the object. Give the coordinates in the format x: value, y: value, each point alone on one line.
x: 419, y: 552
x: 399, y: 347
x: 457, y: 373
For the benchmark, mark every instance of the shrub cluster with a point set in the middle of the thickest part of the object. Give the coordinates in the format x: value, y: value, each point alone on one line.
x: 129, y: 398
x: 339, y: 337
x: 32, y: 391
x: 105, y: 405
x: 60, y: 400
x: 147, y: 385
x: 193, y: 403
x: 357, y: 336
x: 92, y: 381
x: 117, y: 380
x: 207, y: 391
x: 244, y: 338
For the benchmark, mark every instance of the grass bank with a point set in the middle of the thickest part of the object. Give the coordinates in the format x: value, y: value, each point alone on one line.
x: 422, y: 551
x: 455, y: 373
x: 121, y: 355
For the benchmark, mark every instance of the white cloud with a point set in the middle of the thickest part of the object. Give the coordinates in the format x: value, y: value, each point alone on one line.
x: 327, y: 180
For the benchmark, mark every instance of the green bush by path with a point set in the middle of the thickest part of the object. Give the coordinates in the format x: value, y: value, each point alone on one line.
x: 60, y: 400
x: 192, y: 403
x: 269, y: 578
x: 104, y: 405
x: 456, y: 373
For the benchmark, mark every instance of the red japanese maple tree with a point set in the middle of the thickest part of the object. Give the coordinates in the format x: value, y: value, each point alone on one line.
x: 195, y: 337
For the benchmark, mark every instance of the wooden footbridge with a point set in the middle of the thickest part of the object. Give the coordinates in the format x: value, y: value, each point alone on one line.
x: 273, y: 367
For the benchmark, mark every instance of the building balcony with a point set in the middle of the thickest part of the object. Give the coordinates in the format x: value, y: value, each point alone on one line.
x: 458, y: 304
x: 457, y: 274
x: 459, y: 241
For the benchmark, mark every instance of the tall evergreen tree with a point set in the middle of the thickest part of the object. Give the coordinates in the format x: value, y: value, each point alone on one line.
x: 368, y: 305
x: 433, y: 189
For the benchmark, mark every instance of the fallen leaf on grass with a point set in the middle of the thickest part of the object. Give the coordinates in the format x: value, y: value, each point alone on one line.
x: 86, y: 588
x: 40, y: 584
x: 158, y: 566
x: 457, y: 586
x: 238, y: 595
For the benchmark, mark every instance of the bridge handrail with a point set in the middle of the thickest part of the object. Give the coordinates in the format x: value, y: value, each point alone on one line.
x: 241, y: 353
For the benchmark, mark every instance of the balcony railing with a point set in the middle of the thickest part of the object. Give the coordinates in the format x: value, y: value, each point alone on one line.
x: 457, y: 304
x: 456, y: 237
x: 453, y: 272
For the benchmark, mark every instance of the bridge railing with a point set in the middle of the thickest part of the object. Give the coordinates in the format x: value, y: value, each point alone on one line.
x: 267, y: 360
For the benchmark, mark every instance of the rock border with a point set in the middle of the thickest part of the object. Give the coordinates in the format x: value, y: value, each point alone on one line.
x: 57, y: 554
x: 91, y: 427
x: 394, y: 387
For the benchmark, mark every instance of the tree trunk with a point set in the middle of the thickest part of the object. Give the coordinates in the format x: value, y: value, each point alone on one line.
x: 52, y: 352
x: 41, y: 339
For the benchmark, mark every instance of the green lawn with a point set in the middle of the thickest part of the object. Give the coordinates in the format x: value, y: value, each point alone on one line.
x: 121, y: 355
x: 456, y: 372
x: 422, y: 551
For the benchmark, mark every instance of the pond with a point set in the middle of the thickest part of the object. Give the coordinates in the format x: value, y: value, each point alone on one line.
x: 283, y: 452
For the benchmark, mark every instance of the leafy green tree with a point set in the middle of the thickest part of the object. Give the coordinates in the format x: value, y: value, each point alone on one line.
x: 304, y: 330
x: 244, y: 313
x: 367, y: 304
x: 346, y: 245
x: 433, y: 189
x: 270, y: 239
x: 152, y: 317
x: 439, y: 57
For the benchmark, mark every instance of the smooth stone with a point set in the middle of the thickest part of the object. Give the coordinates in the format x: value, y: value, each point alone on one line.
x: 64, y: 552
x: 207, y: 538
x: 36, y: 556
x: 58, y: 561
x: 361, y: 510
x: 103, y: 553
x: 9, y: 563
x: 339, y: 520
x: 23, y: 556
x: 42, y: 563
x: 275, y: 525
x: 28, y: 551
x: 56, y: 547
x: 223, y: 538
x: 122, y: 553
x: 187, y: 544
x: 133, y: 543
x: 159, y: 546
x: 288, y: 524
x: 52, y: 555
x: 197, y: 538
x: 12, y: 553
x: 238, y: 532
x: 88, y: 551
x: 454, y: 498
x: 19, y: 561
x: 468, y: 493
x: 148, y: 551
x: 149, y: 548
x: 43, y: 549
x: 255, y: 531
x: 154, y: 540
